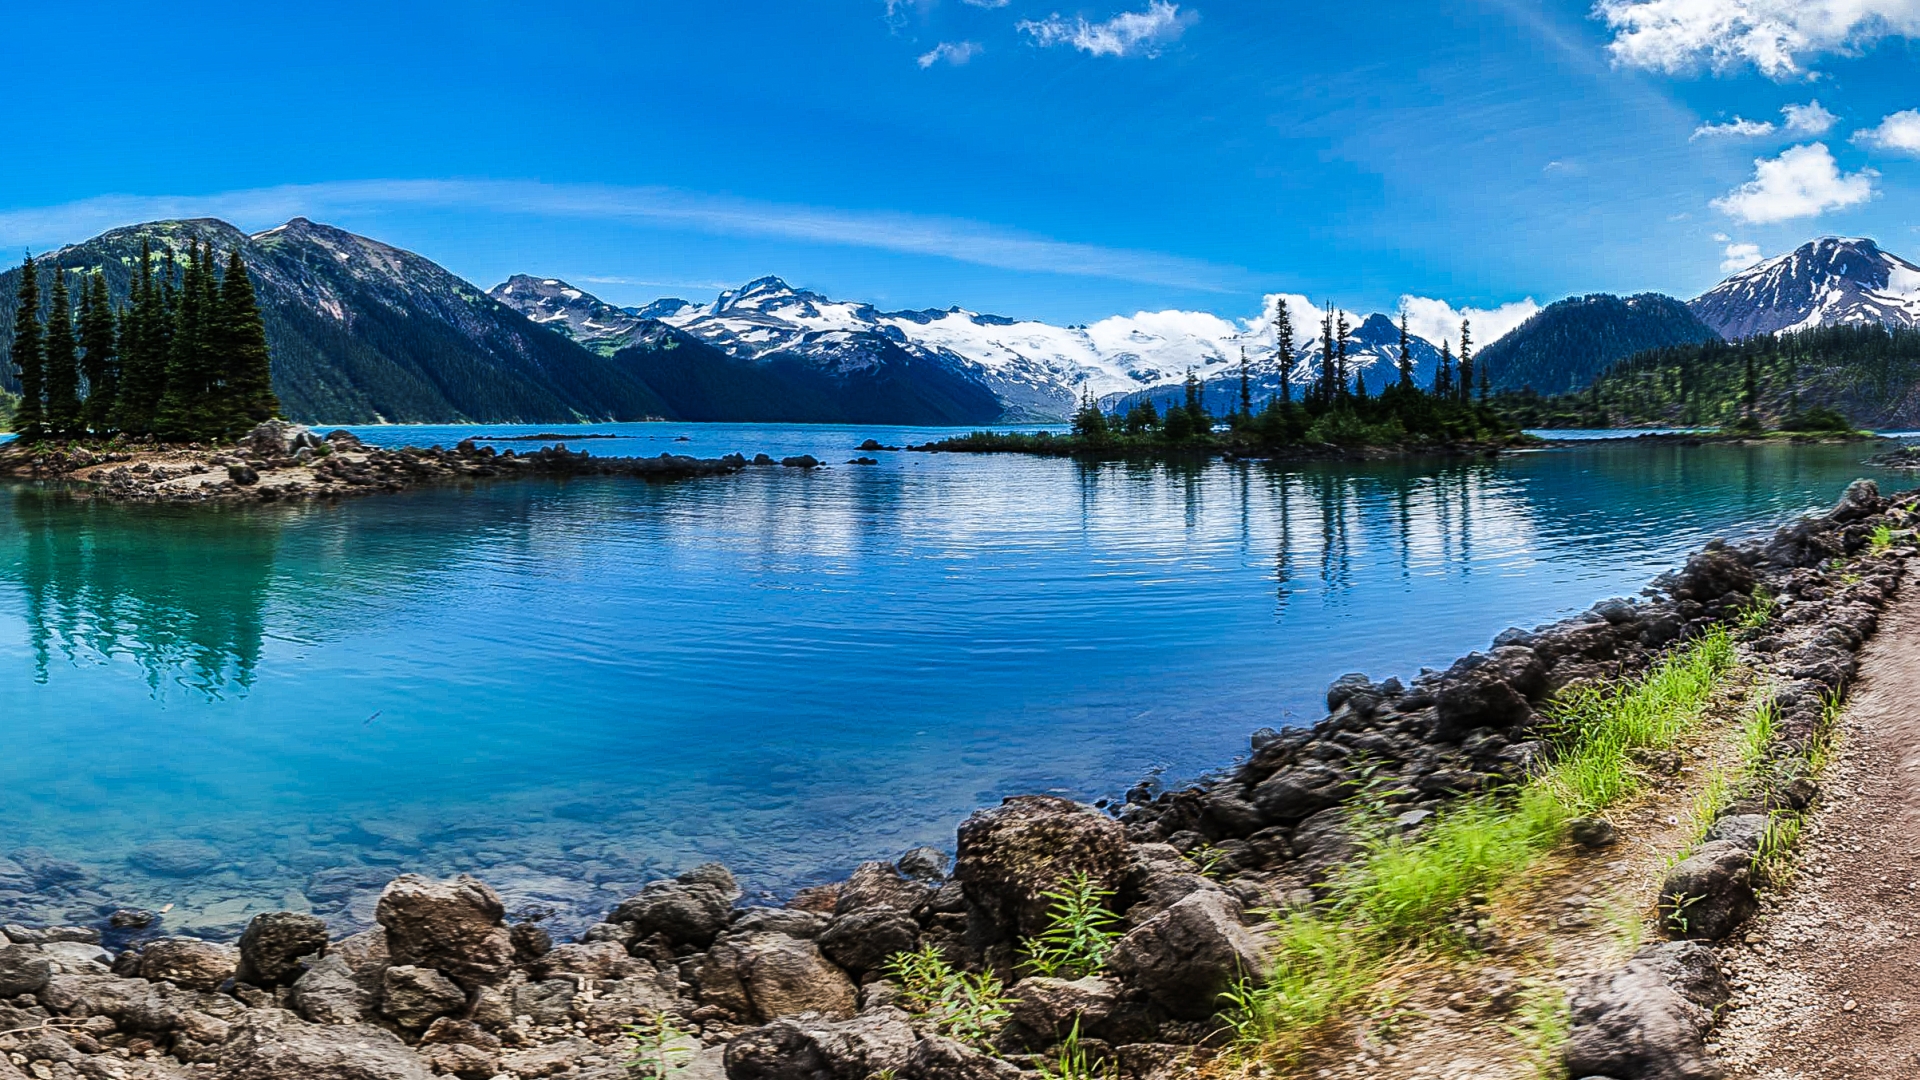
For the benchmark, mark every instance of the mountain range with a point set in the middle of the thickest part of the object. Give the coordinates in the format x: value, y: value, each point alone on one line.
x: 363, y: 332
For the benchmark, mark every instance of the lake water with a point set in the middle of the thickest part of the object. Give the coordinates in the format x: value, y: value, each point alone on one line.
x: 580, y: 686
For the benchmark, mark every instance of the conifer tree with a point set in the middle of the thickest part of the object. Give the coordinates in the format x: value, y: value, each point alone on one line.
x: 184, y: 412
x: 1283, y: 346
x: 241, y: 343
x: 63, y: 416
x: 1342, y: 334
x: 1360, y: 386
x: 1246, y: 386
x: 1466, y: 360
x: 143, y: 376
x: 1486, y: 384
x: 1443, y: 378
x: 1326, y: 355
x: 29, y: 358
x: 1406, y: 353
x: 101, y: 362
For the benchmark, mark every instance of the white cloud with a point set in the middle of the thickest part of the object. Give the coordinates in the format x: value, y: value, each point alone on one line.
x: 1899, y: 133
x: 1803, y: 181
x: 1775, y: 36
x: 1437, y: 320
x: 1808, y: 119
x: 1739, y: 257
x: 951, y: 52
x: 962, y: 240
x: 1735, y: 128
x: 1132, y: 33
x: 987, y: 3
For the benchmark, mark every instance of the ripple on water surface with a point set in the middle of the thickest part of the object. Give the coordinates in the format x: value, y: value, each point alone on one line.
x: 579, y: 686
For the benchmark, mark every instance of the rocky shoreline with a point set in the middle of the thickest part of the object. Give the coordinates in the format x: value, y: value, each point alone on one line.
x: 282, y: 462
x: 680, y: 979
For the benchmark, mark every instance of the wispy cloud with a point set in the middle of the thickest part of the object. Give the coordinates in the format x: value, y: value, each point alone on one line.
x: 1739, y: 257
x: 1131, y: 33
x: 1808, y: 119
x: 1803, y: 181
x: 1899, y: 133
x: 992, y: 4
x: 1736, y: 128
x: 950, y: 52
x: 1777, y: 37
x: 958, y: 239
x: 1438, y: 320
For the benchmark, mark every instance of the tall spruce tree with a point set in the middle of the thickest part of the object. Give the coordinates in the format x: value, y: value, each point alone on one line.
x: 1325, y: 391
x: 1283, y: 346
x: 1246, y: 386
x: 1342, y: 335
x: 63, y: 416
x: 241, y: 343
x: 29, y: 357
x: 101, y: 361
x: 186, y: 408
x: 1406, y: 353
x: 1443, y: 378
x: 143, y: 365
x: 1466, y: 359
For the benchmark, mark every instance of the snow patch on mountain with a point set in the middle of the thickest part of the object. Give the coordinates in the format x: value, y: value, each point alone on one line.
x: 1831, y: 281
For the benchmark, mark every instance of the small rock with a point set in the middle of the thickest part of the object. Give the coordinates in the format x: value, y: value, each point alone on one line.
x: 1592, y: 833
x: 188, y: 963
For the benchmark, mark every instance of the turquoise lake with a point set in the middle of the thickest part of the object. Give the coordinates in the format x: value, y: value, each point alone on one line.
x: 576, y: 687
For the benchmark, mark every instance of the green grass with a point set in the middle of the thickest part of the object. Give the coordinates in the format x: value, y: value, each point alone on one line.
x: 955, y: 1003
x: 1542, y: 1024
x: 1403, y: 899
x: 1880, y: 541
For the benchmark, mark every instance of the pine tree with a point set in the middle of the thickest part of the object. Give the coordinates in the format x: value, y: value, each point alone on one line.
x: 1406, y: 354
x: 1342, y: 334
x: 64, y: 418
x: 1443, y: 378
x: 1283, y: 346
x: 1360, y: 386
x: 1326, y: 355
x: 101, y: 363
x: 1466, y: 359
x: 1751, y: 395
x: 143, y: 375
x: 241, y: 345
x: 1486, y: 384
x: 29, y: 358
x: 1246, y: 386
x: 187, y: 409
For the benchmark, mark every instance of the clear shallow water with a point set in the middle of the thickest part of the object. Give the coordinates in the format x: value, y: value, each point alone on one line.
x: 579, y: 686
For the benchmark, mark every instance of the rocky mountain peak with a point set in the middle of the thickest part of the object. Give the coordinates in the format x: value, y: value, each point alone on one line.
x: 1829, y: 281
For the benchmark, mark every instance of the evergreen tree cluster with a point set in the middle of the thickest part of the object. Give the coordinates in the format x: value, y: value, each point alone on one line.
x: 184, y: 360
x: 1806, y: 381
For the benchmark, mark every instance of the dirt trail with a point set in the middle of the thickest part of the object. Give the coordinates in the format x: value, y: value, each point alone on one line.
x: 1828, y: 983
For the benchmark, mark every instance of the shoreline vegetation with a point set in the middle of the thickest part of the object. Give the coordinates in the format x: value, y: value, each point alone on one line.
x: 1269, y: 920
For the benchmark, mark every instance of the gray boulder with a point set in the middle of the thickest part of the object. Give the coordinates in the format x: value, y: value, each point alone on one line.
x: 1710, y: 892
x: 879, y: 884
x: 456, y: 927
x: 274, y: 942
x: 414, y: 997
x: 811, y: 1049
x: 549, y: 1001
x: 1186, y: 956
x: 865, y: 940
x: 24, y: 969
x: 936, y: 1058
x: 329, y: 993
x: 1295, y: 791
x: 1046, y: 1010
x: 268, y: 1044
x: 1012, y: 854
x: 771, y: 976
x: 690, y: 910
x: 1647, y: 1021
x: 188, y: 962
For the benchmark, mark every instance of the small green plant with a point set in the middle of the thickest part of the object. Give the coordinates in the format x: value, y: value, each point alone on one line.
x: 1080, y: 931
x: 1207, y: 859
x: 1757, y: 734
x: 1773, y: 863
x: 1541, y: 1025
x: 958, y: 1004
x: 1076, y: 1064
x: 1880, y: 540
x: 661, y: 1046
x: 1676, y: 907
x: 1759, y: 610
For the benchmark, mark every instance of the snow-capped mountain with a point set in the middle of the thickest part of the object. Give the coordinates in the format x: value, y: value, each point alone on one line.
x: 1830, y: 281
x: 1037, y: 370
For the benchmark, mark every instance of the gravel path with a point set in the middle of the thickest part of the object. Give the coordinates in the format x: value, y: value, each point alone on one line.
x: 1828, y: 982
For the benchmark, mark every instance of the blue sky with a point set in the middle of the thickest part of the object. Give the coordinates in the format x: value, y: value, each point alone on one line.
x: 1028, y: 157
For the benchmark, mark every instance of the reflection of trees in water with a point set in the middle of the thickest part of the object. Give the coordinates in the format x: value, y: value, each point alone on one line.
x: 181, y: 591
x: 1396, y: 508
